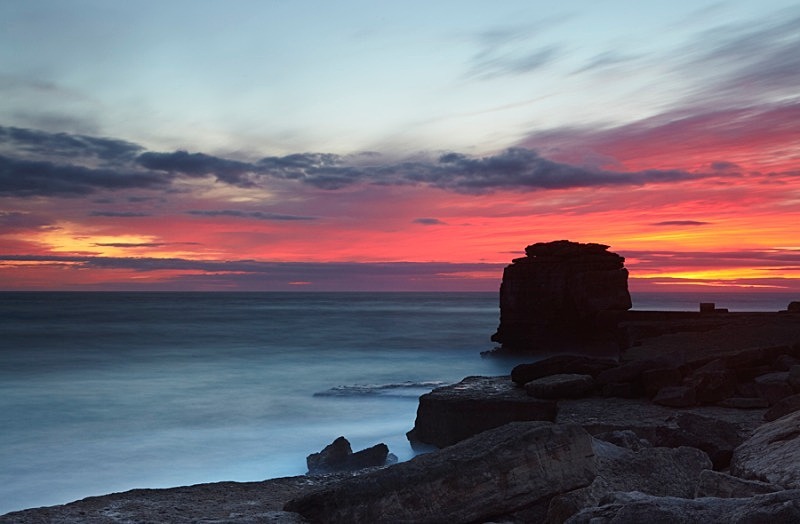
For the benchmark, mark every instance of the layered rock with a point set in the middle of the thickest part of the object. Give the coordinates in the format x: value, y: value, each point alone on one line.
x: 772, y: 453
x: 499, y: 472
x: 453, y: 413
x: 559, y: 294
x: 656, y: 471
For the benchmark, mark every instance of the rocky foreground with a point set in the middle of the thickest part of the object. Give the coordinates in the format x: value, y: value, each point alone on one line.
x: 699, y: 432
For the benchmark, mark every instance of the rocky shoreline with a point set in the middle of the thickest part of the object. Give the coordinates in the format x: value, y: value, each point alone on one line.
x: 696, y: 418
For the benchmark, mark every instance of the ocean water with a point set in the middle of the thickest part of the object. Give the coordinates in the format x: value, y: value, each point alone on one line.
x: 104, y: 392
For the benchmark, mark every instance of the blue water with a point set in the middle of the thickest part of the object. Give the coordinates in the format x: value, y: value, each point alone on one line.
x: 104, y: 392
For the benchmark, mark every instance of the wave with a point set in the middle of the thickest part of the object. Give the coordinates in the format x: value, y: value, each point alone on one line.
x: 399, y: 389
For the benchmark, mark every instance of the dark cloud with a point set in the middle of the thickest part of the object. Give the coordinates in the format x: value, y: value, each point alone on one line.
x: 680, y: 223
x: 428, y: 221
x: 16, y: 220
x: 43, y: 178
x: 722, y: 259
x: 258, y: 215
x: 118, y: 214
x: 517, y: 169
x: 70, y: 146
x: 199, y: 165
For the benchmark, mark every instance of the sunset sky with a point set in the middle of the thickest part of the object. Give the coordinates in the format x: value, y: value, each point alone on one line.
x: 362, y: 145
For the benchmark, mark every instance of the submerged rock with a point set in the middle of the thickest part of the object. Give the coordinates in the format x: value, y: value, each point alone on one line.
x: 339, y: 456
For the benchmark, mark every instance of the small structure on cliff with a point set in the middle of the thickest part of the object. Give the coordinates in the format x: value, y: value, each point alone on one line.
x: 562, y: 294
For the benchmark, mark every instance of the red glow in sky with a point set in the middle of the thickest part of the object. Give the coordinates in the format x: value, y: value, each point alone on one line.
x: 425, y: 161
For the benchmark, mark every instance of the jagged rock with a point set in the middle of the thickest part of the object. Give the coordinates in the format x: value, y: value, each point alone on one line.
x: 498, y: 472
x: 774, y: 386
x: 772, y: 453
x: 339, y: 456
x: 560, y: 386
x: 560, y: 364
x: 783, y: 407
x: 656, y: 471
x: 717, y: 484
x: 557, y: 295
x: 783, y: 507
x: 453, y: 413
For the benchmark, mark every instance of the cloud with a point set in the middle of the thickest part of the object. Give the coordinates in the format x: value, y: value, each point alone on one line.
x: 118, y: 214
x: 747, y: 137
x: 753, y: 61
x: 44, y: 178
x: 489, y: 65
x: 515, y: 169
x: 143, y: 244
x: 199, y: 165
x: 258, y: 215
x: 428, y: 221
x: 680, y: 223
x: 72, y: 146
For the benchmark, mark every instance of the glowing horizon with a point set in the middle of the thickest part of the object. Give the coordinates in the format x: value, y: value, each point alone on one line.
x: 388, y: 150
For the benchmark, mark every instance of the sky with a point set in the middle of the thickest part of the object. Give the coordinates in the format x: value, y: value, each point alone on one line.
x: 273, y: 145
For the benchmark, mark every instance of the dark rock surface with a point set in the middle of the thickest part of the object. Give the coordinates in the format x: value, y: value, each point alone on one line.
x: 560, y: 386
x: 561, y: 364
x: 771, y: 453
x: 717, y: 484
x: 220, y: 502
x: 656, y: 471
x: 453, y: 413
x: 558, y: 294
x: 498, y: 472
x: 623, y: 508
x: 339, y: 456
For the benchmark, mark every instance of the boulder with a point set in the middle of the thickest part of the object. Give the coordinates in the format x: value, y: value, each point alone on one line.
x: 794, y: 378
x: 453, y: 413
x: 774, y: 386
x: 783, y: 407
x: 676, y: 396
x: 560, y: 364
x: 717, y: 484
x: 656, y: 471
x: 558, y: 295
x: 713, y: 429
x: 793, y: 307
x: 782, y: 506
x: 655, y: 379
x: 772, y: 453
x: 339, y: 456
x: 624, y: 439
x: 498, y: 472
x: 560, y: 386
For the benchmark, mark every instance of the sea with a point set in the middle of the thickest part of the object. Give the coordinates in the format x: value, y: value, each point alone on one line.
x: 106, y: 392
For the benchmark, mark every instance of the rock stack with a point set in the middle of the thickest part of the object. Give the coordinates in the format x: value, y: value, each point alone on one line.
x: 562, y: 295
